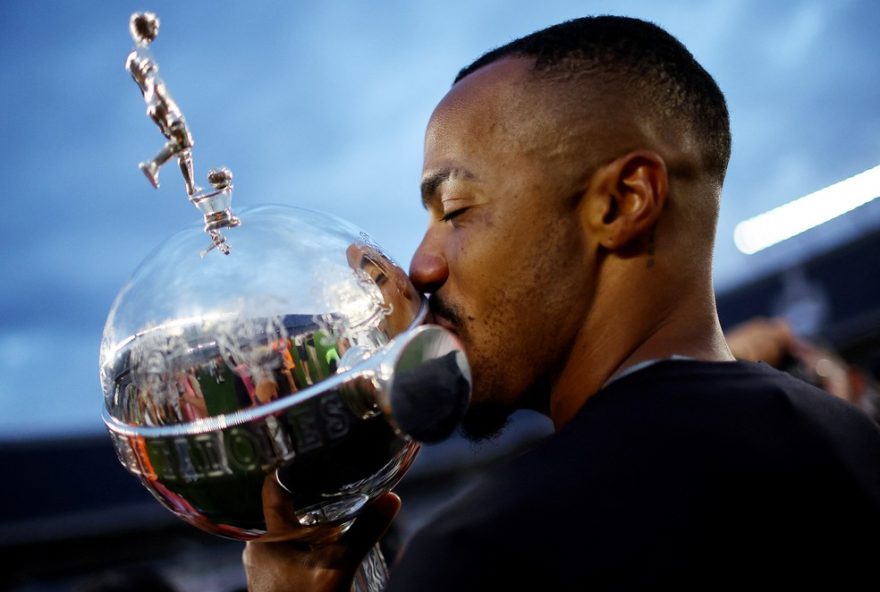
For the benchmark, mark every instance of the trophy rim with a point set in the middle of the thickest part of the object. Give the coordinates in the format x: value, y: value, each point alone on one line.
x: 245, y: 416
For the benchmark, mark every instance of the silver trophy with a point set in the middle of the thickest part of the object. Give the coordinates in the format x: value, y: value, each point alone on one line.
x: 293, y: 377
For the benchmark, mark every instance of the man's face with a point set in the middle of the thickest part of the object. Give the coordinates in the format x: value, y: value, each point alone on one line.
x: 503, y: 255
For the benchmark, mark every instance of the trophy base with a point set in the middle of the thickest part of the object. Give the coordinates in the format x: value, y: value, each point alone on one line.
x: 372, y: 575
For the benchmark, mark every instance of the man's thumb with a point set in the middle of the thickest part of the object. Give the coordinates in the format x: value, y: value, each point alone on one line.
x: 372, y: 522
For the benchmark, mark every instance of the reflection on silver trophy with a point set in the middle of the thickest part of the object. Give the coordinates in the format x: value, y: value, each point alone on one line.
x: 293, y: 378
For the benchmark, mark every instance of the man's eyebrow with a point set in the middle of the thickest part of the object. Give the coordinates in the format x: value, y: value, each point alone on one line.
x: 432, y: 182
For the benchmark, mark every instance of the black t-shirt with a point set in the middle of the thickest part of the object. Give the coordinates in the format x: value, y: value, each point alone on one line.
x: 684, y: 475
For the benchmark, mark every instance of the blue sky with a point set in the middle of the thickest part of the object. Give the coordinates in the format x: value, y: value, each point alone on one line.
x: 323, y: 105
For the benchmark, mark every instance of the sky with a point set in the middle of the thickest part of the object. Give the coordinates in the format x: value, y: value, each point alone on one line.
x: 323, y: 105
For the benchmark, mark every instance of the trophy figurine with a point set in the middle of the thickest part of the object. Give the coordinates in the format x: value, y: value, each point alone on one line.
x: 295, y: 376
x: 165, y: 113
x: 161, y: 108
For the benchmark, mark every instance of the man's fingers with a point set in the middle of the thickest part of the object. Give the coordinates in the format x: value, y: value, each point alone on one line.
x: 317, y: 565
x: 372, y: 523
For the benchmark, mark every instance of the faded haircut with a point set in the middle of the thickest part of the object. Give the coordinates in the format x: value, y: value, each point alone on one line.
x: 615, y: 48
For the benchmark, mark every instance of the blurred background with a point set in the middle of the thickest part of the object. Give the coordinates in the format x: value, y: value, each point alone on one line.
x: 323, y: 105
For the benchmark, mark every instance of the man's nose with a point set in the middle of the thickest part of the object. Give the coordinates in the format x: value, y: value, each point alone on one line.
x: 428, y: 269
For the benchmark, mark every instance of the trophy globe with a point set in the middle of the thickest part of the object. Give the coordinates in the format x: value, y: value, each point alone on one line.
x: 279, y: 364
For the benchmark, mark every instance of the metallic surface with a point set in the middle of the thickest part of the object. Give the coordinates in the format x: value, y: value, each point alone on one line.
x: 272, y: 394
x: 288, y: 379
x: 166, y: 114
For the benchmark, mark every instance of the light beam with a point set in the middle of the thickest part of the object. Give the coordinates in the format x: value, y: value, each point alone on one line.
x: 802, y: 214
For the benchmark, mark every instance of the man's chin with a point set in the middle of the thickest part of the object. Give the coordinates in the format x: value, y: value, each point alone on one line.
x: 485, y: 421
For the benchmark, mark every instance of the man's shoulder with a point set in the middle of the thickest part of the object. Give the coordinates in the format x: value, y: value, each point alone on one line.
x: 750, y: 409
x: 662, y: 466
x: 682, y: 417
x: 707, y: 391
x: 709, y: 378
x: 687, y: 432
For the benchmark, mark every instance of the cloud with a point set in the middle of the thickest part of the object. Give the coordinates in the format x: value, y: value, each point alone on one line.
x: 323, y: 105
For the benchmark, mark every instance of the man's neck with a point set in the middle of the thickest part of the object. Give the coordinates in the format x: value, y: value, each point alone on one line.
x: 690, y: 328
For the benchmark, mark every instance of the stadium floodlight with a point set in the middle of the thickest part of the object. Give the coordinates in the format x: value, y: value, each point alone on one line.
x: 802, y: 214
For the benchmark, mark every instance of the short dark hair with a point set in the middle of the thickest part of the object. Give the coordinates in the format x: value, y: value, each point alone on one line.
x: 613, y: 46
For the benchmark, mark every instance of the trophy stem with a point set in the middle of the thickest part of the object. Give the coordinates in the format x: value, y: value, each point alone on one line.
x: 372, y: 575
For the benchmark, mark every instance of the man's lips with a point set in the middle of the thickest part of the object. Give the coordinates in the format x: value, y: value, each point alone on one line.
x: 440, y: 313
x: 438, y: 319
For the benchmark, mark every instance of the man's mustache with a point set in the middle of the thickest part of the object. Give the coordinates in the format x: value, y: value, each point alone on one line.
x: 439, y: 308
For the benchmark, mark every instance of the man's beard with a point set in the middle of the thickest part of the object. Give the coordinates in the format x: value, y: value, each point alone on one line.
x: 451, y: 314
x: 485, y: 421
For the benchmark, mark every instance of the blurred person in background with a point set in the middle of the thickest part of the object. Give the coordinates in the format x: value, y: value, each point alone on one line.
x: 772, y: 341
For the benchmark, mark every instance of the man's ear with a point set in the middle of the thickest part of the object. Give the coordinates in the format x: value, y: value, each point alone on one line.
x: 625, y: 198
